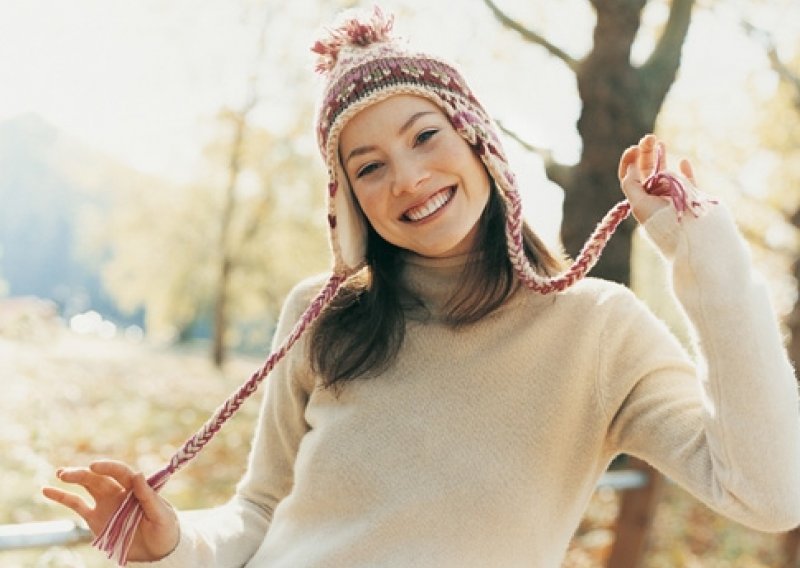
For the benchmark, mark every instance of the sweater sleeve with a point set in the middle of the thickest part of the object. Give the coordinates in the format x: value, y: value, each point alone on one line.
x: 728, y: 428
x: 228, y: 536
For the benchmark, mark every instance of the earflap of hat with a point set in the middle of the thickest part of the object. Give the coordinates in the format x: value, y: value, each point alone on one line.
x: 348, y: 228
x: 478, y: 130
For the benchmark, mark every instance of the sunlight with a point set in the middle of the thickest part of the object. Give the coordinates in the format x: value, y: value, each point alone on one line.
x: 92, y: 323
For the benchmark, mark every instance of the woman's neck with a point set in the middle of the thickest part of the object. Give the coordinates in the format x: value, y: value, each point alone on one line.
x: 434, y: 281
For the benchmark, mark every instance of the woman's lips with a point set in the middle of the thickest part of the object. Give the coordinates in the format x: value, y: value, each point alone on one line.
x: 431, y: 206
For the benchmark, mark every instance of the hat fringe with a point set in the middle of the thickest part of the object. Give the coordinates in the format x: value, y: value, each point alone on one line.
x: 659, y: 182
x: 354, y: 31
x: 117, y: 536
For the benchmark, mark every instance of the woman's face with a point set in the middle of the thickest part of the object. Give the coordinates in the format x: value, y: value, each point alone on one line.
x: 418, y: 182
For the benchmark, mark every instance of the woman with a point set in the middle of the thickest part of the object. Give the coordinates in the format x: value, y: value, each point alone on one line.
x: 443, y: 414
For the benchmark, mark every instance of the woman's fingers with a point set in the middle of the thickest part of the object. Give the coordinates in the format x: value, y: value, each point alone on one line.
x: 632, y: 172
x: 687, y: 170
x: 638, y: 163
x: 152, y: 506
x: 68, y: 500
x: 121, y: 472
x: 108, y: 482
x: 628, y: 159
x: 648, y: 153
x: 98, y: 486
x: 160, y: 529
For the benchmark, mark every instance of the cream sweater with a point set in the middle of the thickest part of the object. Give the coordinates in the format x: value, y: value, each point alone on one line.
x: 481, y: 447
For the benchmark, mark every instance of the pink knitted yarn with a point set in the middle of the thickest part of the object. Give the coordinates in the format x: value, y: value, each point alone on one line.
x: 659, y: 182
x: 117, y: 536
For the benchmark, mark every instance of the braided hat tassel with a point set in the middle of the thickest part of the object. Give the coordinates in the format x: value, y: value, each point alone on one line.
x: 659, y: 182
x: 117, y: 536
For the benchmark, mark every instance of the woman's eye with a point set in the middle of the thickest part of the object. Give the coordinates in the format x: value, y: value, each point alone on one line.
x: 367, y: 169
x: 426, y: 135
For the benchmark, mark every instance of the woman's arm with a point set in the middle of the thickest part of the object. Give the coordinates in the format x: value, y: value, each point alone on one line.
x: 108, y: 482
x: 225, y: 536
x: 228, y: 536
x: 729, y: 429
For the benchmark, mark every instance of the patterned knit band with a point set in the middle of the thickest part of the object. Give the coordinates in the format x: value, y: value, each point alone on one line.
x: 382, y: 77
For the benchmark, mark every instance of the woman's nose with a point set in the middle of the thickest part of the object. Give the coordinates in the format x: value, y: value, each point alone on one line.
x: 409, y: 177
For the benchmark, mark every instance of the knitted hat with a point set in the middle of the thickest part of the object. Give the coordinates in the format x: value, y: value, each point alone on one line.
x: 363, y: 65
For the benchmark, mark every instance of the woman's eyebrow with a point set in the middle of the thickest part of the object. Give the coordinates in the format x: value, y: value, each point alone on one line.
x: 358, y: 151
x: 412, y: 119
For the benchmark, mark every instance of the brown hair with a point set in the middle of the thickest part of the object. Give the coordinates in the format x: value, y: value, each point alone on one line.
x: 363, y: 328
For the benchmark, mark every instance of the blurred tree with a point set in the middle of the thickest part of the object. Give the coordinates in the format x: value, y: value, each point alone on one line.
x: 233, y: 242
x: 228, y: 249
x: 154, y: 239
x: 620, y: 103
x: 780, y: 133
x: 255, y: 224
x: 222, y: 253
x: 164, y: 242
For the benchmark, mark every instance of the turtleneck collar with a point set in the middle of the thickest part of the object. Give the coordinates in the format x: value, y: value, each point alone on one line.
x: 434, y: 280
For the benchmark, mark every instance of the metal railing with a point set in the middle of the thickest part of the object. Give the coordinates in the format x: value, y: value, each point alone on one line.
x: 60, y: 533
x: 43, y: 534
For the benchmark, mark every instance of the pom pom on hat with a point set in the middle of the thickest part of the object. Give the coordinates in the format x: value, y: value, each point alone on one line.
x: 352, y: 32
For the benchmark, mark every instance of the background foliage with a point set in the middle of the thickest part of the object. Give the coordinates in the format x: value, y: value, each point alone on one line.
x: 84, y: 227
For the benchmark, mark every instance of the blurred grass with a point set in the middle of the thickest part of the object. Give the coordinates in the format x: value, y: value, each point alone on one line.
x: 67, y: 399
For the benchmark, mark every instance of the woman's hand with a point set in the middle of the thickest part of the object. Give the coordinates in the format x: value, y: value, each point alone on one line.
x: 108, y: 482
x: 635, y: 165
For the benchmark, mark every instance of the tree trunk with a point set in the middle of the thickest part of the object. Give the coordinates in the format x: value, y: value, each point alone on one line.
x: 218, y: 346
x: 620, y: 105
x: 218, y: 349
x: 637, y: 509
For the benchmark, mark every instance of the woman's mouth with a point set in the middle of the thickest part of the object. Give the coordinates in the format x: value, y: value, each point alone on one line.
x: 431, y: 206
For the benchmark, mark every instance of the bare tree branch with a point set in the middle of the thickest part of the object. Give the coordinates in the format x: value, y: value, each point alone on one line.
x: 558, y: 173
x: 667, y: 51
x: 532, y: 36
x: 545, y: 153
x: 784, y: 72
x: 226, y: 246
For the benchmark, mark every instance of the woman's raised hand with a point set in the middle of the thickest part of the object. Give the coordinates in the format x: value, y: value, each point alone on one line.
x: 636, y: 163
x: 108, y: 482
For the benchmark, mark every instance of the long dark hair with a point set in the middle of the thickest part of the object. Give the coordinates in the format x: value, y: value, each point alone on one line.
x: 363, y: 328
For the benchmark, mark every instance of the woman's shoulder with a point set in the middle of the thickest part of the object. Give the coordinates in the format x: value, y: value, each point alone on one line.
x: 307, y: 288
x: 587, y: 295
x: 301, y: 295
x: 599, y: 292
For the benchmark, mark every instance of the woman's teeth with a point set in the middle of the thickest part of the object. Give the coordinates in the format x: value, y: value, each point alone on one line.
x: 436, y: 202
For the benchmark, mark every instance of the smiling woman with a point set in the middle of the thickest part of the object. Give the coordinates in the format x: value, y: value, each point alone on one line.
x: 456, y: 400
x: 420, y: 185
